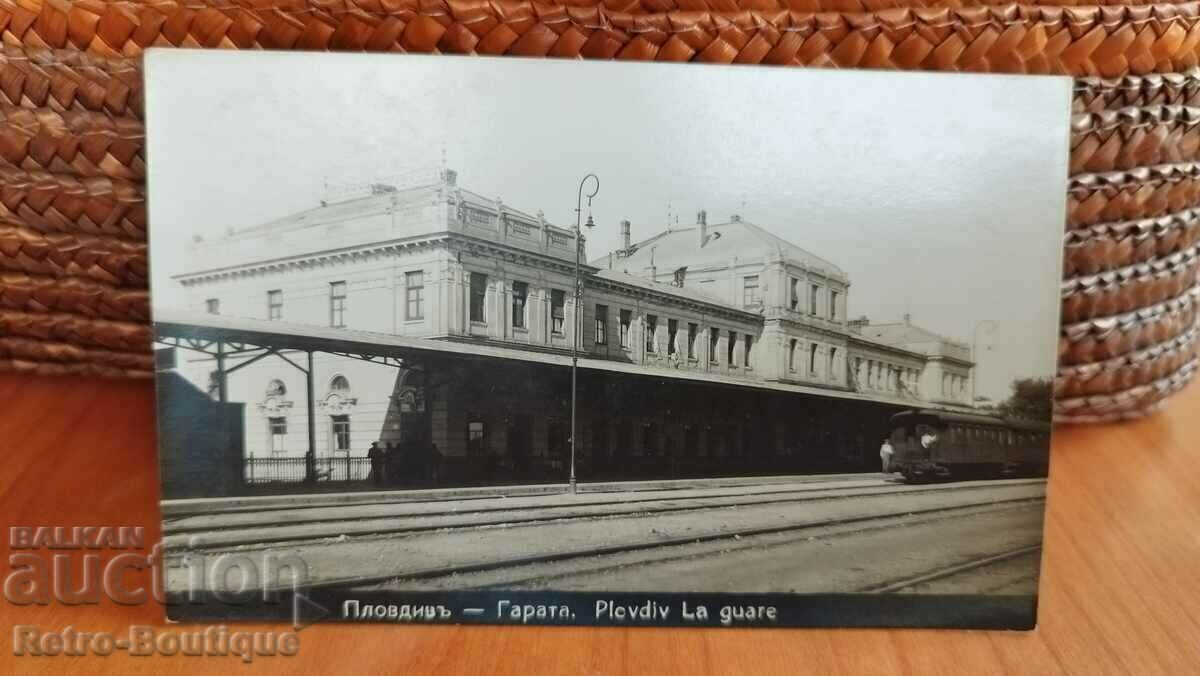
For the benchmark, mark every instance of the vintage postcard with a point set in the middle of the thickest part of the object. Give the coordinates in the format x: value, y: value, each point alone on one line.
x: 470, y: 340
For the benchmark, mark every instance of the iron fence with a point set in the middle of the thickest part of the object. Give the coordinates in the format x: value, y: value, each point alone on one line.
x: 295, y: 469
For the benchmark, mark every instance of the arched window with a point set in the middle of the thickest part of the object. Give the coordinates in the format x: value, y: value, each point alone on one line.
x: 339, y: 384
x: 276, y: 388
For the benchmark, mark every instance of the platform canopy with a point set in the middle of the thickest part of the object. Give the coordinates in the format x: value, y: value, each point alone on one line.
x: 236, y: 336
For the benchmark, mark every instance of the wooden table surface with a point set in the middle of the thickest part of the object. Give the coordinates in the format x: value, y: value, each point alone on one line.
x: 1120, y: 583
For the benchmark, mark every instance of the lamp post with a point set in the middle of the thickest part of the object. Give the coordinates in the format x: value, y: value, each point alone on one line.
x: 991, y: 324
x: 578, y: 319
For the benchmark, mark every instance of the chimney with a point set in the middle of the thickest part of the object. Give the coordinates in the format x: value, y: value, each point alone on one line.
x: 702, y: 221
x: 625, y: 236
x: 907, y: 319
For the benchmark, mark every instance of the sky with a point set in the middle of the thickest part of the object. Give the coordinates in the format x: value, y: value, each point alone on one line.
x: 941, y: 195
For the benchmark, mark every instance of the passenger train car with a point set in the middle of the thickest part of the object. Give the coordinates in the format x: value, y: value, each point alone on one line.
x: 931, y: 444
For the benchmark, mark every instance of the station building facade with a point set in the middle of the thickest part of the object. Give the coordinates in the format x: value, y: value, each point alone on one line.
x: 729, y: 302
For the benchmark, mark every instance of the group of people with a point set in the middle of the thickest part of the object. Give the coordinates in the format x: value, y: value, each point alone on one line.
x: 886, y: 451
x: 398, y: 462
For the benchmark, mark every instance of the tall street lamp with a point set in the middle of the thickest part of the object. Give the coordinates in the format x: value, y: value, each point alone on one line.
x: 579, y: 307
x: 991, y: 326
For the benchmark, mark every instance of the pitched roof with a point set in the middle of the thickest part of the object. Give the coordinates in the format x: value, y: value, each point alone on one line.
x: 678, y: 247
x: 685, y: 293
x: 382, y: 199
x: 904, y: 334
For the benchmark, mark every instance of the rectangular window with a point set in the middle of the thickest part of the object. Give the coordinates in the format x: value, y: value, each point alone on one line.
x: 731, y: 348
x: 693, y: 331
x: 601, y: 324
x: 558, y: 317
x: 651, y: 334
x: 749, y: 348
x: 341, y: 432
x: 476, y: 438
x: 337, y: 304
x: 277, y: 428
x: 520, y: 292
x: 626, y: 319
x: 794, y: 294
x: 750, y: 294
x: 212, y: 306
x: 812, y: 359
x: 672, y: 331
x: 833, y: 363
x: 275, y: 305
x: 414, y: 294
x: 813, y: 290
x: 833, y: 303
x: 792, y: 355
x: 714, y: 339
x: 478, y: 293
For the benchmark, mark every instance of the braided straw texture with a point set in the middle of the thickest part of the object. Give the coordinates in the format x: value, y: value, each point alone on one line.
x: 73, y: 293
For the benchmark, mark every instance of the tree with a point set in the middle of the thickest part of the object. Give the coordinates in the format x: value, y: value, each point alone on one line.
x: 1031, y: 399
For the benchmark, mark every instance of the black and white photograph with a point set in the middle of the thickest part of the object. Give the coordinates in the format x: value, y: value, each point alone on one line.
x: 458, y: 339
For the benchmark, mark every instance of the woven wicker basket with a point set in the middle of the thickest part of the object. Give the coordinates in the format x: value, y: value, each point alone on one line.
x: 73, y: 267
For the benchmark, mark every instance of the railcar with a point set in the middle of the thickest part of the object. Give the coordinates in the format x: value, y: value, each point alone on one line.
x: 929, y: 444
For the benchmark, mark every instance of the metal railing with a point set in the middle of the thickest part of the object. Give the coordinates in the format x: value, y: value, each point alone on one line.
x: 295, y: 469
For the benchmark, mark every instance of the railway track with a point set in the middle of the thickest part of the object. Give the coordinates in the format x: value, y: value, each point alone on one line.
x: 242, y: 517
x: 523, y: 571
x: 549, y: 571
x: 971, y: 566
x: 532, y: 513
x: 180, y: 510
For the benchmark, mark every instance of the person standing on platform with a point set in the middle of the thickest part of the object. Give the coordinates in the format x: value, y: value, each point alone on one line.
x: 375, y: 455
x: 885, y: 455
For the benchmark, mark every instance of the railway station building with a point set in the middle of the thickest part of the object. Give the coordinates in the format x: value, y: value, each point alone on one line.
x: 718, y: 347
